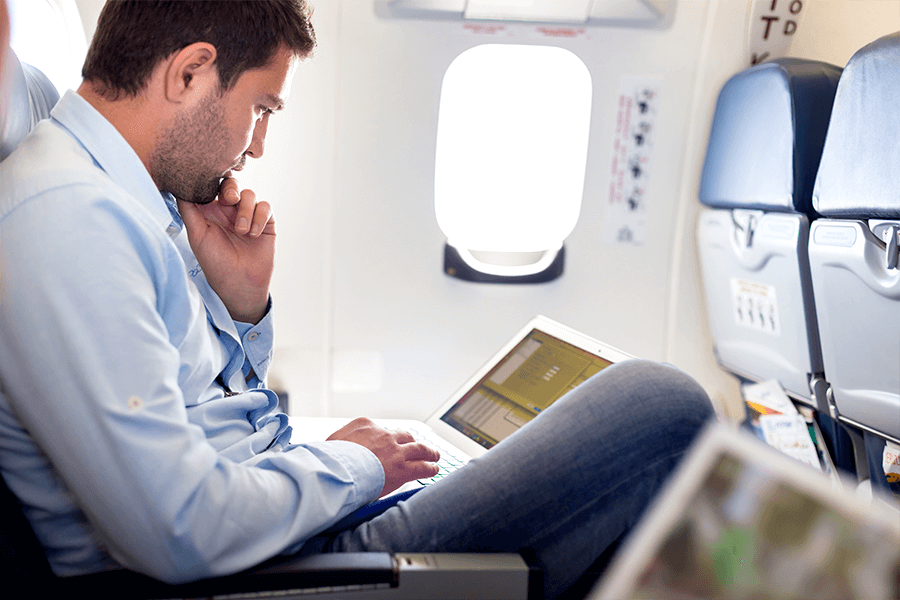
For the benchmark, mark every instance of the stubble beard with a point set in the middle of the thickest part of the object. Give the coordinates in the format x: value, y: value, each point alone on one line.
x: 178, y: 164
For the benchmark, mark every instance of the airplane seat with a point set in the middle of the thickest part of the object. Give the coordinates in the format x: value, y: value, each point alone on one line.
x: 853, y: 248
x: 764, y: 147
x: 29, y: 96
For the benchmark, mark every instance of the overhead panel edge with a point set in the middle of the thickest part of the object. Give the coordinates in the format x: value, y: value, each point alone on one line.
x: 640, y: 14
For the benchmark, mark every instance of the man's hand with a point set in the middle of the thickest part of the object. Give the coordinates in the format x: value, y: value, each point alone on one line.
x: 233, y: 238
x: 402, y: 457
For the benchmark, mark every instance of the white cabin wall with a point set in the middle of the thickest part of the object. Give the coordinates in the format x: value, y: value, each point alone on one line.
x: 397, y: 318
x: 689, y: 342
x: 89, y: 11
x: 298, y: 176
x: 834, y: 30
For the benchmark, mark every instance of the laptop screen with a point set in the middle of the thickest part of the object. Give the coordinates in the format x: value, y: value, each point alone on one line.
x: 537, y: 371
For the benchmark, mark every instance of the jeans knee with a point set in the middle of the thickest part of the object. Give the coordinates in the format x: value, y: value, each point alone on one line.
x: 662, y: 383
x: 657, y: 399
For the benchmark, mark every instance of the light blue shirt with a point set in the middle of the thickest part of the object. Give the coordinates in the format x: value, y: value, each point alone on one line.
x: 114, y: 434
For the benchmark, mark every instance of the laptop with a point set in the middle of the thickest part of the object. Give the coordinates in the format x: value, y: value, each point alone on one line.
x: 740, y: 519
x: 542, y: 362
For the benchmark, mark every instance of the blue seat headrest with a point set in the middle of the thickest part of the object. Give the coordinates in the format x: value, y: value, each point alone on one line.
x: 858, y: 172
x: 31, y: 97
x: 767, y: 136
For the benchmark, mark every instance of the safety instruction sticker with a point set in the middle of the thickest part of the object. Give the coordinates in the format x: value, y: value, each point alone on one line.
x: 636, y: 112
x: 755, y: 306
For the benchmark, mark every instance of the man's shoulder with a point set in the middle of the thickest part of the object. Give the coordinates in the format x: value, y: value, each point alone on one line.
x: 52, y: 172
x: 46, y: 159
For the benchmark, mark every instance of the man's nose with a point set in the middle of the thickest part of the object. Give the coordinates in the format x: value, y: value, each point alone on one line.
x: 258, y: 143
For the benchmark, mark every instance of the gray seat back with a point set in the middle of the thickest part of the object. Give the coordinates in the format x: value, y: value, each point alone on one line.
x: 764, y: 148
x: 853, y: 249
x: 31, y: 96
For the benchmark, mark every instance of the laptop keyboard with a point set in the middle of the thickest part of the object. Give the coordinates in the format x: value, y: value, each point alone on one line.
x: 451, y: 458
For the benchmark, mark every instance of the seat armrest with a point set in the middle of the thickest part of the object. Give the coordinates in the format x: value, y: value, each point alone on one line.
x: 276, y: 576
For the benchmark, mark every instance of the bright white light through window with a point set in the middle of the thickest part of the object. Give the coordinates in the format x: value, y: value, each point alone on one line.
x: 512, y: 148
x: 49, y: 35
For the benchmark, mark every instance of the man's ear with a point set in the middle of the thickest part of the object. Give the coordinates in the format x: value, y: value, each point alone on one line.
x: 191, y: 71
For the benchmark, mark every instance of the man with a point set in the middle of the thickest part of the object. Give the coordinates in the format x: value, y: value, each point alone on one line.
x: 135, y: 335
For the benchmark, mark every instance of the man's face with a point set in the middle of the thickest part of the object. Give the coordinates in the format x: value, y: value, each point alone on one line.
x: 214, y: 137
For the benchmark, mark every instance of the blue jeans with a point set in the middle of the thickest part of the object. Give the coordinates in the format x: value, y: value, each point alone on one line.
x: 565, y: 486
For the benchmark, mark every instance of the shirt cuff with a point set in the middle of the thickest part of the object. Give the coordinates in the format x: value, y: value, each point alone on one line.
x: 363, y: 466
x: 257, y: 341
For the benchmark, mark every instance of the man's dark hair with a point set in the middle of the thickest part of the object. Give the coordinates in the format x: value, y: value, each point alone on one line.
x: 134, y: 35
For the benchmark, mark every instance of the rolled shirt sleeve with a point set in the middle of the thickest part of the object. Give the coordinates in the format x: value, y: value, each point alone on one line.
x: 256, y: 341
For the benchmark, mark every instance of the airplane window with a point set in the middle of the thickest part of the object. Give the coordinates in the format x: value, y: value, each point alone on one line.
x: 49, y: 35
x: 510, y: 160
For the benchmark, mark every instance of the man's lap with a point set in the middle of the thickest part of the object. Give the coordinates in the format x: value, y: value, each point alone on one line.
x: 567, y: 485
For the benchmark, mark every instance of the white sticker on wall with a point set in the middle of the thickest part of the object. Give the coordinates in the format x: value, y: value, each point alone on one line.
x: 636, y: 112
x: 755, y: 306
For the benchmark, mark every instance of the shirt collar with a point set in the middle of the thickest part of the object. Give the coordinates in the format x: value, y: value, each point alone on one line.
x: 175, y: 227
x: 112, y: 153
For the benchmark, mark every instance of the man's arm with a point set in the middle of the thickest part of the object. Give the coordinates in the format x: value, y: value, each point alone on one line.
x: 96, y: 310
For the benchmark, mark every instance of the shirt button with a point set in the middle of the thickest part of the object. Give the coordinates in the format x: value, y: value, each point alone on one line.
x: 251, y: 337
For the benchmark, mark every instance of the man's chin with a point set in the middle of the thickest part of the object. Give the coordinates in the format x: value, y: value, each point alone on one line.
x: 202, y: 200
x: 200, y: 196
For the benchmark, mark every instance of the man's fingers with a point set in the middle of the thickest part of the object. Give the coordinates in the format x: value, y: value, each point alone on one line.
x: 403, y: 437
x: 229, y: 193
x: 262, y: 221
x: 413, y: 450
x: 246, y: 208
x: 422, y: 470
x: 251, y: 217
x: 417, y: 451
x: 414, y: 461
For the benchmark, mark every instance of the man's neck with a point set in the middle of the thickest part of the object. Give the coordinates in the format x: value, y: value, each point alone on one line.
x: 130, y: 115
